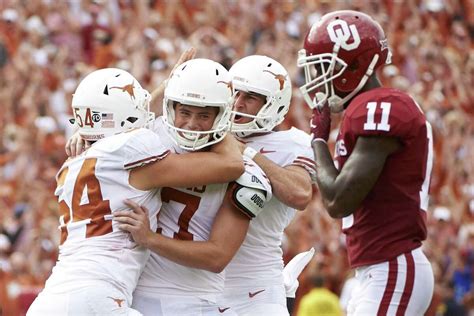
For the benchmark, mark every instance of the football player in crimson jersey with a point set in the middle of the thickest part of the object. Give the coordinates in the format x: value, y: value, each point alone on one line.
x: 379, y: 181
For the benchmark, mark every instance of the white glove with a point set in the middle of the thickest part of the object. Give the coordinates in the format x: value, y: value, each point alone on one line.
x: 293, y: 269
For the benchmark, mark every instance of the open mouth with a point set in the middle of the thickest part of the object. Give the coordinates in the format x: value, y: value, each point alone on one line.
x: 238, y: 118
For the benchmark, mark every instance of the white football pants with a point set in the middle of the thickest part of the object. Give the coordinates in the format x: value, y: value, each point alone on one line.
x: 401, y: 286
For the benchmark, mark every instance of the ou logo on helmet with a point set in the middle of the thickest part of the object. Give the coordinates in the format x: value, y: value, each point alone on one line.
x: 340, y: 32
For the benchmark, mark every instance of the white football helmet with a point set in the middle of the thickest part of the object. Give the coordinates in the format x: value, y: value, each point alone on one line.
x: 109, y: 101
x: 202, y: 83
x: 265, y: 76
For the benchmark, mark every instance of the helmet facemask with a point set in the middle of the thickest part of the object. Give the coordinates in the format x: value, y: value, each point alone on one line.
x: 199, y: 83
x: 195, y: 140
x: 322, y: 86
x: 320, y: 83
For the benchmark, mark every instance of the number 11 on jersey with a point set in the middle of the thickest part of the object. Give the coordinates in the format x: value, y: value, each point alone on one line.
x: 370, y: 124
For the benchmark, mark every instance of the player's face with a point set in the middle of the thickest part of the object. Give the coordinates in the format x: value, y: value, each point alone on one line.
x: 248, y: 103
x: 195, y: 118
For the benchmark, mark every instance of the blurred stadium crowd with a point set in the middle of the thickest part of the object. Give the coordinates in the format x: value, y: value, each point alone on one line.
x: 46, y: 46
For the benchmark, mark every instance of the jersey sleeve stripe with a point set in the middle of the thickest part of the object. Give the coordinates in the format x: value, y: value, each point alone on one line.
x: 145, y: 161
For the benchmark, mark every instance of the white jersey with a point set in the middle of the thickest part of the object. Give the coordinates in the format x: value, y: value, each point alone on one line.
x: 187, y: 214
x: 259, y: 259
x: 160, y: 128
x: 90, y: 188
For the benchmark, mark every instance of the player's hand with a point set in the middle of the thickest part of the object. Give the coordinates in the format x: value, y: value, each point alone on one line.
x: 188, y: 54
x: 76, y: 145
x: 241, y: 146
x: 321, y: 124
x: 135, y: 222
x: 228, y: 145
x: 240, y: 143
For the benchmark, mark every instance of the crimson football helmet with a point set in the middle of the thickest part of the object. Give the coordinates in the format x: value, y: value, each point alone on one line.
x: 341, y: 51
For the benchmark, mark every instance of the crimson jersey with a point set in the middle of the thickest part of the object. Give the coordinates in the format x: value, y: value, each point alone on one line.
x: 392, y: 218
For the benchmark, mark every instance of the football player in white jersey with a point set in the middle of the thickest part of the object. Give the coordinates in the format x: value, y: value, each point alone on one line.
x: 99, y: 264
x: 200, y: 228
x: 254, y: 282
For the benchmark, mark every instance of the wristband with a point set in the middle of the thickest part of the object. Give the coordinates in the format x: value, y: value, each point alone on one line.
x: 319, y: 140
x: 249, y: 152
